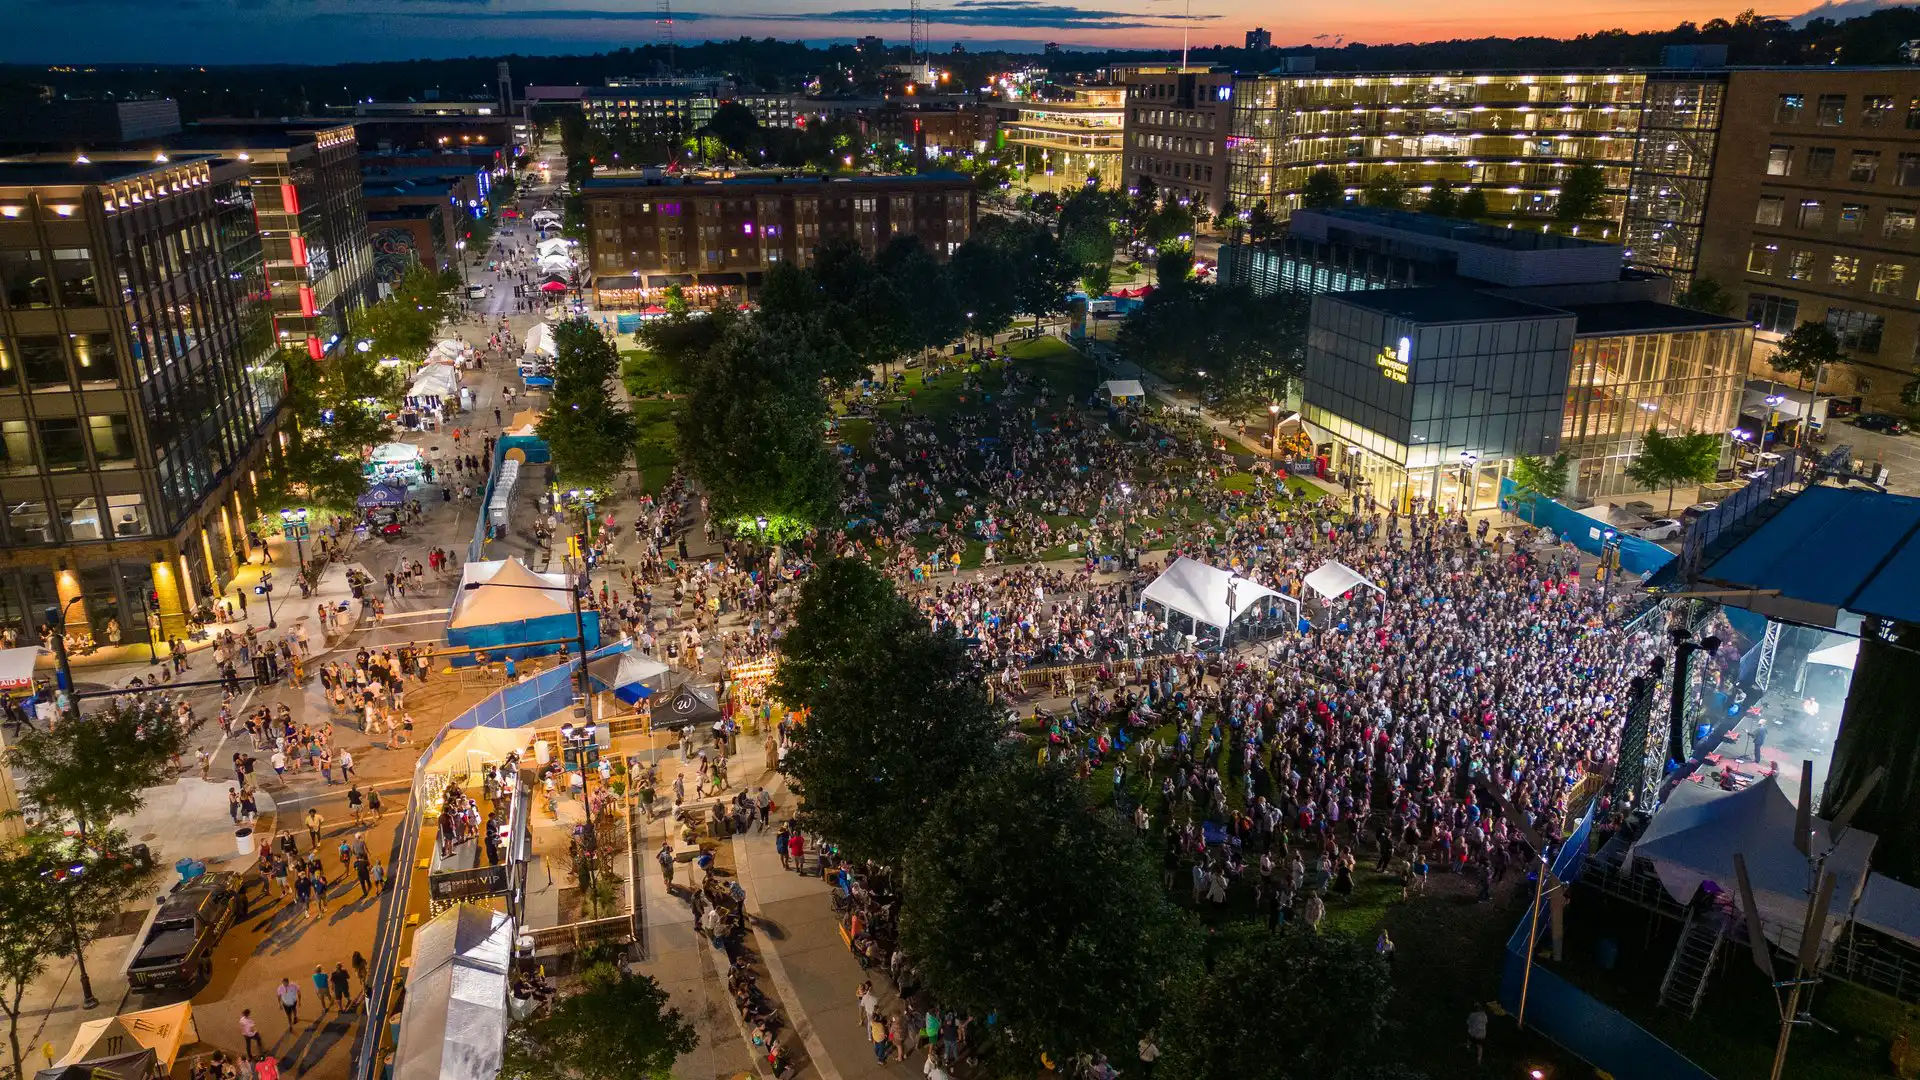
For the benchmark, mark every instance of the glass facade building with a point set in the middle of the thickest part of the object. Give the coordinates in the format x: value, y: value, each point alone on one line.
x: 131, y: 396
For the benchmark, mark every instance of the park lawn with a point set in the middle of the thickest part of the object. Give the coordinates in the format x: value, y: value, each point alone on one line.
x: 656, y: 450
x: 646, y: 375
x: 1065, y: 369
x: 1243, y: 482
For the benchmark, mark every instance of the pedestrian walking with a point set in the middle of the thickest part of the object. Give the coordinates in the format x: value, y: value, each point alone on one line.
x: 250, y: 1034
x: 289, y: 997
x: 665, y: 855
x: 321, y: 989
x: 342, y: 987
x: 314, y: 822
x: 780, y: 845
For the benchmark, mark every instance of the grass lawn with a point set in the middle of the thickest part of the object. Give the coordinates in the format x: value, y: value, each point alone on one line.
x: 646, y: 375
x: 656, y: 453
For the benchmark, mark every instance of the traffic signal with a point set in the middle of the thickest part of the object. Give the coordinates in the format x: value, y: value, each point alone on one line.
x: 573, y: 546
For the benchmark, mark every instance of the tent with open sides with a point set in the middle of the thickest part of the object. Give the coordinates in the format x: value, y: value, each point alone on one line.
x: 629, y: 676
x: 1334, y: 580
x: 540, y: 341
x: 163, y: 1030
x: 454, y: 1023
x: 553, y: 245
x: 503, y: 608
x: 1695, y: 834
x: 1124, y: 392
x: 16, y: 667
x: 1208, y: 595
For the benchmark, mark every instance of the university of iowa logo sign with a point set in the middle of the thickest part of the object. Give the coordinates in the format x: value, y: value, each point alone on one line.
x: 684, y: 702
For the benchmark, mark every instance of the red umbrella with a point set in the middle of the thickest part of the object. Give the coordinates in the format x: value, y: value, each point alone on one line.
x: 554, y: 286
x: 653, y: 309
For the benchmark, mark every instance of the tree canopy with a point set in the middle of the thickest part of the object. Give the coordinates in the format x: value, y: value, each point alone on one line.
x: 1536, y: 477
x: 590, y: 433
x: 91, y: 769
x: 617, y: 1027
x: 1582, y: 194
x: 1025, y: 901
x: 1807, y: 349
x: 1322, y: 190
x: 1667, y: 461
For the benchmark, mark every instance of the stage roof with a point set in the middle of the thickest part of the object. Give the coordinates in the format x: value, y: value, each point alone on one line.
x: 1829, y: 549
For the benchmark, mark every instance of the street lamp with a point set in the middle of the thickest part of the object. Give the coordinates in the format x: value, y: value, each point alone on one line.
x: 1467, y: 460
x: 56, y: 619
x: 293, y: 525
x: 460, y: 246
x: 61, y: 876
x: 1273, y: 433
x: 265, y: 588
x: 580, y: 739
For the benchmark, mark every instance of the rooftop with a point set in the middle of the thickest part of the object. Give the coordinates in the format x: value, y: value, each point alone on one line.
x: 1644, y: 317
x: 1792, y: 552
x: 46, y: 172
x: 1453, y: 229
x: 619, y: 183
x: 1444, y: 305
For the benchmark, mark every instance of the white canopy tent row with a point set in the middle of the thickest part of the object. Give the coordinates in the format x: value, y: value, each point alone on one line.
x: 1209, y: 597
x: 507, y: 591
x: 450, y: 351
x: 454, y: 1023
x: 435, y: 380
x: 553, y: 245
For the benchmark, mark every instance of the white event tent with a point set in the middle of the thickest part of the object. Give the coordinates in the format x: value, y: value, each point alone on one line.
x: 508, y: 592
x: 540, y: 341
x: 1694, y: 836
x: 1334, y: 580
x: 1208, y: 595
x: 454, y: 1024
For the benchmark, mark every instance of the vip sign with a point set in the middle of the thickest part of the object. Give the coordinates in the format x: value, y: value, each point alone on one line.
x: 1394, y: 360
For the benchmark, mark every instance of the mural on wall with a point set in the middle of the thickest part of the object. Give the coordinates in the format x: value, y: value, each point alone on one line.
x: 394, y: 250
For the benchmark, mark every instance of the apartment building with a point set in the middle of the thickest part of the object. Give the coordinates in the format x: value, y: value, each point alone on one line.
x: 133, y: 315
x: 1177, y: 124
x: 715, y: 239
x: 1812, y: 214
x: 1063, y: 142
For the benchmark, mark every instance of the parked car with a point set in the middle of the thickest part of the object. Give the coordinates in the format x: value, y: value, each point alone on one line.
x: 1885, y: 423
x: 188, y: 923
x: 1838, y: 407
x: 1663, y: 529
x: 1699, y: 510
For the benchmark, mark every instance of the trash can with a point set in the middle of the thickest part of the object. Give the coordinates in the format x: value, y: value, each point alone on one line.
x: 243, y: 840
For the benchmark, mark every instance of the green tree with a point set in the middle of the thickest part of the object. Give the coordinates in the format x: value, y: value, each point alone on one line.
x: 1296, y: 1005
x: 1171, y: 224
x: 1667, y: 461
x: 1043, y: 275
x: 1260, y: 223
x: 30, y: 933
x: 92, y: 878
x: 1473, y: 205
x: 405, y: 325
x: 1024, y: 900
x: 735, y: 125
x: 1536, y: 478
x: 983, y: 279
x: 1173, y: 266
x: 1322, y: 190
x: 1806, y: 351
x: 616, y: 1027
x: 589, y: 433
x: 898, y: 713
x: 1443, y: 200
x: 1386, y: 190
x: 97, y: 767
x: 1706, y: 294
x: 751, y: 433
x: 1582, y: 194
x: 1910, y: 393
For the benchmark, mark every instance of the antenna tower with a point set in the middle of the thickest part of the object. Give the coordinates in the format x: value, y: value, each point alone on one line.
x: 663, y: 32
x: 916, y: 33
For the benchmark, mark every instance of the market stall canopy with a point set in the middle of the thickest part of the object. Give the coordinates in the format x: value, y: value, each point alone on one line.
x: 508, y: 592
x: 627, y: 675
x: 1201, y: 592
x: 449, y: 351
x: 1334, y: 580
x: 1125, y: 389
x: 134, y: 1065
x: 383, y: 495
x: 524, y: 422
x: 554, y: 286
x: 553, y: 245
x: 435, y: 380
x: 688, y: 705
x: 395, y: 453
x: 463, y: 749
x: 545, y: 217
x: 163, y: 1030
x: 1695, y: 834
x: 540, y: 340
x: 454, y: 1024
x: 16, y: 667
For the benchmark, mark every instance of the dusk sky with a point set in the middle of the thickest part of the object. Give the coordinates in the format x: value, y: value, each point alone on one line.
x: 328, y: 31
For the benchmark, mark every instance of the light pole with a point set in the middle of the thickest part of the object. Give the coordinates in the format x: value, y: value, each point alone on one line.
x: 265, y: 588
x: 56, y: 620
x: 580, y: 739
x: 1273, y: 434
x: 61, y: 876
x: 153, y: 630
x: 1467, y: 460
x: 293, y: 525
x: 1774, y: 401
x: 460, y: 256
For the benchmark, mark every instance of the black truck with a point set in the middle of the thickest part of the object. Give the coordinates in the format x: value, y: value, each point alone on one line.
x: 178, y: 948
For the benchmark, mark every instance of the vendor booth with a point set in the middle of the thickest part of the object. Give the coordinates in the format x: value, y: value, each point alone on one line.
x: 1335, y: 580
x: 396, y: 463
x: 510, y: 612
x: 629, y: 676
x: 160, y: 1032
x: 1124, y: 392
x: 1209, y: 597
x: 687, y: 706
x: 16, y: 667
x: 451, y: 351
x: 540, y: 341
x: 382, y: 495
x: 553, y: 245
x: 454, y: 1023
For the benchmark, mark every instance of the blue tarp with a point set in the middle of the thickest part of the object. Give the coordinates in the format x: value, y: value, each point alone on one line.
x: 1795, y: 553
x: 522, y: 703
x: 1637, y: 556
x: 500, y: 640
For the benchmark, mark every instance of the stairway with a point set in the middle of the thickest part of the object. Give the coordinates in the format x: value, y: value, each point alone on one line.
x: 1687, y: 973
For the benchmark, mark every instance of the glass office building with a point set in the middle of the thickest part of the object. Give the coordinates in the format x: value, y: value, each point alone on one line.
x: 130, y: 408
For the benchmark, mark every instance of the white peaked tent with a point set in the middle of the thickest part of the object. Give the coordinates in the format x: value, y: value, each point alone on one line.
x: 1334, y: 580
x: 1844, y: 655
x: 1698, y: 830
x: 1124, y: 390
x: 449, y: 351
x: 540, y: 340
x: 552, y: 246
x: 435, y: 380
x: 544, y: 218
x: 454, y: 1025
x: 508, y: 592
x: 1201, y: 592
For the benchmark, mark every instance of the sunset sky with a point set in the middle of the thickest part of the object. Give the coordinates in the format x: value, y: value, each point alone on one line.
x: 326, y: 31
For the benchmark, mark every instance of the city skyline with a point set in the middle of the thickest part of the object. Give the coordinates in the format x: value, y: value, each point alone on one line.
x: 331, y: 31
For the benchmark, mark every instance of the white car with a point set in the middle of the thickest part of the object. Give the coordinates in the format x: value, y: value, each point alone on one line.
x: 1663, y: 529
